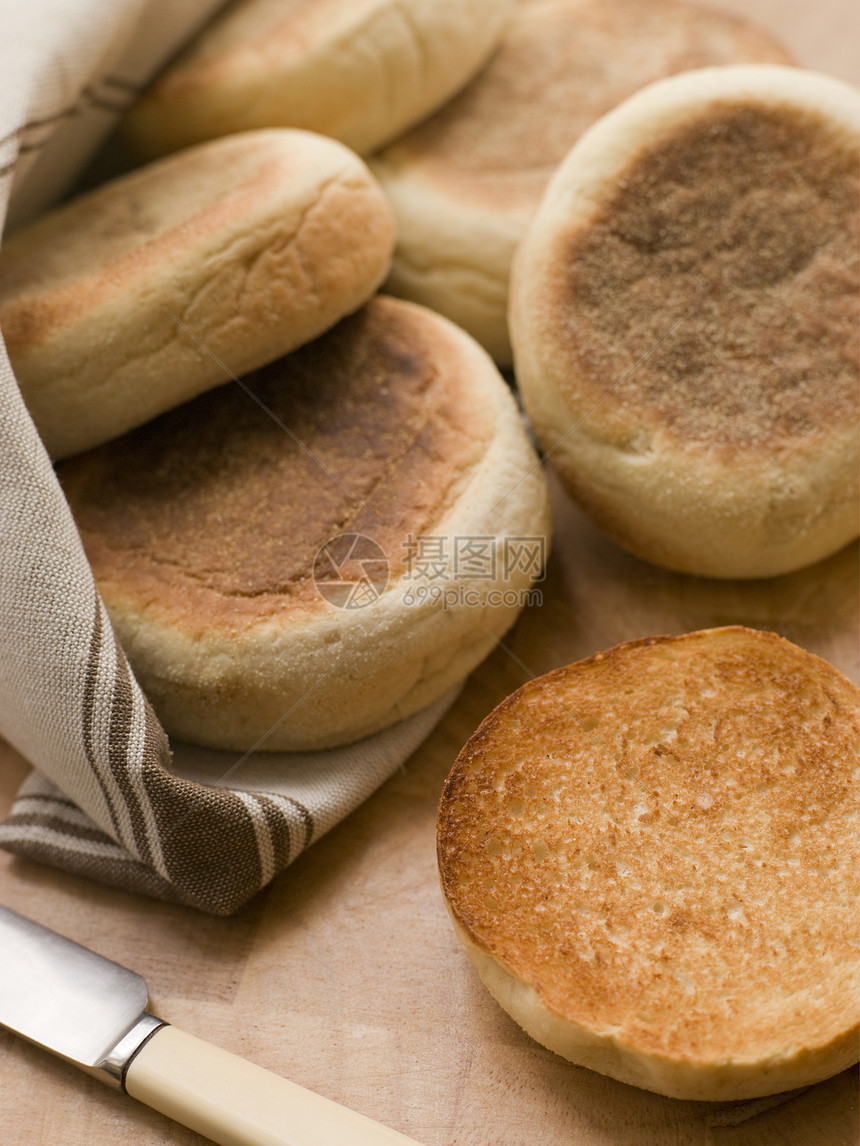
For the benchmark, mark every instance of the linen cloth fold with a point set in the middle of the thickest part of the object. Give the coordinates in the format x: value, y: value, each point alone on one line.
x: 109, y: 798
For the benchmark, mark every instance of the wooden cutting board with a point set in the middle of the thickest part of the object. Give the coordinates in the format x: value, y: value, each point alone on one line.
x: 344, y: 974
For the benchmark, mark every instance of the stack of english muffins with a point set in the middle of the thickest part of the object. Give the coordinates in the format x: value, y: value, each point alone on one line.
x: 267, y: 362
x: 310, y: 511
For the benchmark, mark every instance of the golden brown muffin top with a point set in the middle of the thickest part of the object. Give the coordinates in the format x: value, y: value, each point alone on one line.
x: 661, y: 841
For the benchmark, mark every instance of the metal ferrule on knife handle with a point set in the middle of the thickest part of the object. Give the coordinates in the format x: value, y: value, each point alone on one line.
x: 112, y: 1069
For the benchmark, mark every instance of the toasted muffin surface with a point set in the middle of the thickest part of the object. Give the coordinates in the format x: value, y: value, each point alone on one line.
x: 653, y: 852
x: 213, y: 514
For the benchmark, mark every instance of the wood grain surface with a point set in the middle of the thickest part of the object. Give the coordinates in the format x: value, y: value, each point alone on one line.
x: 344, y: 975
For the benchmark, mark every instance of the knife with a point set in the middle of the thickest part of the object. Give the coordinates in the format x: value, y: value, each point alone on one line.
x: 93, y: 1013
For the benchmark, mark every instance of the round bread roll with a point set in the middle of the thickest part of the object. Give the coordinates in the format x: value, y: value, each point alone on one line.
x: 161, y: 284
x: 361, y: 71
x: 684, y: 319
x: 465, y: 184
x: 650, y: 856
x: 301, y: 559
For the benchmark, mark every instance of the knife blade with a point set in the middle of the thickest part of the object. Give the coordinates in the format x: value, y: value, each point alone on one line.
x: 93, y: 1013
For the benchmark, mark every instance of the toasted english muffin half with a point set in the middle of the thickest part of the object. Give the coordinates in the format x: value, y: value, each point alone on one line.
x: 651, y: 858
x: 303, y: 558
x: 361, y: 71
x: 465, y: 183
x: 684, y: 321
x: 161, y: 284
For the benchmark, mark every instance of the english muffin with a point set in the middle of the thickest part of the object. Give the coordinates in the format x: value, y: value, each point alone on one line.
x: 684, y: 321
x: 163, y: 283
x: 465, y: 183
x: 651, y: 858
x: 361, y: 71
x: 300, y: 559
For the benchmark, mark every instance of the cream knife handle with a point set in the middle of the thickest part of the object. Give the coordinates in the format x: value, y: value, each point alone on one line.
x: 236, y: 1103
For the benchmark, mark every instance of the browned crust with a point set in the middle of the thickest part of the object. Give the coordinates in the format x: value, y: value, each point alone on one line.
x: 124, y: 238
x: 74, y: 259
x: 659, y: 841
x: 561, y: 66
x: 211, y: 516
x: 713, y: 302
